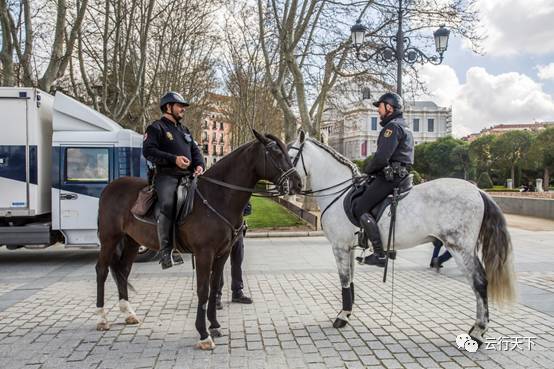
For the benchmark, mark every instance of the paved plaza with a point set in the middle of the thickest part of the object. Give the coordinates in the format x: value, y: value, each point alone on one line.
x: 47, y: 305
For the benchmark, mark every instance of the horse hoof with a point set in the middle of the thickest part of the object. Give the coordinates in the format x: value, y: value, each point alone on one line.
x: 214, y: 332
x: 103, y: 326
x: 477, y: 334
x: 206, y: 344
x: 132, y: 319
x: 339, y: 323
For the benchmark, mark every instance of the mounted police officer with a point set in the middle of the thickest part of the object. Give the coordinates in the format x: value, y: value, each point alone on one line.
x: 169, y: 145
x: 390, y: 164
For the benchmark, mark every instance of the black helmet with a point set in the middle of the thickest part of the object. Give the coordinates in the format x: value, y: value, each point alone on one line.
x: 390, y: 98
x: 172, y: 97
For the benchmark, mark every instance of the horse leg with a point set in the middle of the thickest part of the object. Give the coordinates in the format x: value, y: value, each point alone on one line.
x: 121, y: 270
x: 477, y: 277
x: 107, y: 251
x: 203, y: 268
x: 344, y: 259
x: 217, y: 271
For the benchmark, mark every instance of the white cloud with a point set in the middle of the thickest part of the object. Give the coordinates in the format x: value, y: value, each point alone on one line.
x: 546, y: 71
x: 518, y: 26
x: 486, y: 99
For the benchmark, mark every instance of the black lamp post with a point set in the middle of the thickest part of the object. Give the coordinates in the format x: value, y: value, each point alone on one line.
x: 398, y: 48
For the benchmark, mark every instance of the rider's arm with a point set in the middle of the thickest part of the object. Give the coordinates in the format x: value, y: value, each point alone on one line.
x: 151, y: 147
x: 387, y: 144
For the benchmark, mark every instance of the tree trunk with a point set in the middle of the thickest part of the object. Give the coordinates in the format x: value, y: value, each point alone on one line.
x: 513, y: 173
x: 546, y: 179
x: 6, y: 54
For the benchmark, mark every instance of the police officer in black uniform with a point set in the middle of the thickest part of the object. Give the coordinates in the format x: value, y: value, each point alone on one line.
x: 169, y: 145
x: 237, y: 257
x: 390, y: 164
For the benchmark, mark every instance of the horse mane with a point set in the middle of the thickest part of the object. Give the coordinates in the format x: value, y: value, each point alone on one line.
x: 214, y: 169
x: 337, y: 156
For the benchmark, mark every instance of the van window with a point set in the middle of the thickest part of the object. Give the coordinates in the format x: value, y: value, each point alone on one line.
x: 87, y: 164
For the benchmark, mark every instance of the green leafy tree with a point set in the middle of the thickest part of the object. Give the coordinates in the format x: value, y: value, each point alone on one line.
x: 542, y: 154
x: 460, y: 155
x: 510, y: 150
x: 417, y: 177
x: 480, y: 153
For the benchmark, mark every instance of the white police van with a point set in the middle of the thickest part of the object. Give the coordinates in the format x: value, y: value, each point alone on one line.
x: 56, y: 157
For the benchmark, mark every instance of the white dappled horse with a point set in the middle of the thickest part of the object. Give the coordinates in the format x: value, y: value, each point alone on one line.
x: 468, y: 222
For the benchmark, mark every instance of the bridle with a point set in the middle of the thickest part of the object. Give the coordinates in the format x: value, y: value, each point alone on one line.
x: 318, y: 193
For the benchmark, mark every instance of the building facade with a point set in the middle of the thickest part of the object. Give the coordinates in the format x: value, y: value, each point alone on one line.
x: 216, y: 130
x: 354, y: 129
x: 503, y: 128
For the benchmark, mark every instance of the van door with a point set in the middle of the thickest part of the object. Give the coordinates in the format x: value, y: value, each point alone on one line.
x: 14, y: 157
x: 85, y: 171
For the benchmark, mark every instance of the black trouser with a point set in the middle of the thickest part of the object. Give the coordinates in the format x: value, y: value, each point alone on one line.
x: 166, y: 187
x: 376, y: 191
x: 236, y: 256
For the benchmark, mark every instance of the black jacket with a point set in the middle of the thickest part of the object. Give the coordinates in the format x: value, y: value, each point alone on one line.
x: 165, y: 140
x: 395, y: 144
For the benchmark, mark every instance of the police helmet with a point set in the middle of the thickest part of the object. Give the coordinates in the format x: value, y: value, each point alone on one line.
x: 390, y: 98
x: 172, y: 97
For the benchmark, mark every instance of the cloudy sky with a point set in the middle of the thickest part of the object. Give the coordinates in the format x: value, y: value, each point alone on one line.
x: 513, y: 82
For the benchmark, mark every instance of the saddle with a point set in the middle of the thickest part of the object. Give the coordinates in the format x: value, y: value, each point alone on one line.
x: 357, y: 190
x: 146, y: 207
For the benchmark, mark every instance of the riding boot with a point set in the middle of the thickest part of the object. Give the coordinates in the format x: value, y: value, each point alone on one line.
x: 166, y: 247
x: 372, y: 231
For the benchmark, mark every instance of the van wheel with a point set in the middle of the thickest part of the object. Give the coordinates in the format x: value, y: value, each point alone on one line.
x: 145, y: 255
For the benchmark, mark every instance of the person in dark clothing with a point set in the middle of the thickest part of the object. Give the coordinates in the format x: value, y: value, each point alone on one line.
x: 390, y: 164
x: 237, y: 257
x: 169, y: 146
x: 436, y: 260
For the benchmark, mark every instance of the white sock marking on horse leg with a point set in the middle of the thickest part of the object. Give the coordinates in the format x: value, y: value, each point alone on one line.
x: 102, y: 322
x: 131, y: 316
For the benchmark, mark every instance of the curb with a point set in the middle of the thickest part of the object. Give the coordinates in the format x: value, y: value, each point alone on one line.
x: 284, y: 234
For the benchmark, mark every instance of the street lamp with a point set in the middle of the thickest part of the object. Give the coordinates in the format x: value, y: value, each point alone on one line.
x: 398, y: 48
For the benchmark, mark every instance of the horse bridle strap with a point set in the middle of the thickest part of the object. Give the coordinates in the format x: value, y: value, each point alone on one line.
x: 225, y: 220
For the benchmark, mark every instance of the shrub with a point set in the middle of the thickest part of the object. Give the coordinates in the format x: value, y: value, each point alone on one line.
x: 417, y: 177
x: 484, y: 181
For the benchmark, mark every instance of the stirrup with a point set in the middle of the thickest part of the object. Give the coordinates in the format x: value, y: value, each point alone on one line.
x: 176, y: 261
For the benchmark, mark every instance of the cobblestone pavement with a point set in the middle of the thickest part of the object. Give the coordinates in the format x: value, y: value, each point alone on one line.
x: 47, y: 313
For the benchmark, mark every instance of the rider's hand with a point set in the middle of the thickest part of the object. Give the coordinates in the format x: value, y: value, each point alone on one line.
x: 182, y: 162
x: 198, y: 170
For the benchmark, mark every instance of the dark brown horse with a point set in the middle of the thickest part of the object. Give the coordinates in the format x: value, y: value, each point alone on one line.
x: 204, y: 232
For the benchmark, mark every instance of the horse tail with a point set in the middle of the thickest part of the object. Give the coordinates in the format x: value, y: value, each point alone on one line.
x: 117, y: 265
x: 496, y: 247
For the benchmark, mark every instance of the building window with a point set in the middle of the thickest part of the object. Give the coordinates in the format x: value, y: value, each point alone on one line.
x: 214, y: 125
x: 374, y: 123
x: 214, y: 150
x: 214, y: 136
x: 221, y: 150
x: 205, y: 148
x: 221, y: 126
x: 416, y: 125
x: 87, y: 165
x: 431, y: 125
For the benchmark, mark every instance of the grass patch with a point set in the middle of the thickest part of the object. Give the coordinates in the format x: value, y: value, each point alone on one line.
x: 267, y: 213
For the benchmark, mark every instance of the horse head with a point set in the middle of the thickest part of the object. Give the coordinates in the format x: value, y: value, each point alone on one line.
x: 276, y: 165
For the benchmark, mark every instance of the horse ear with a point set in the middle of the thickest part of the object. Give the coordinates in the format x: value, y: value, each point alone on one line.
x: 260, y: 137
x: 302, y: 136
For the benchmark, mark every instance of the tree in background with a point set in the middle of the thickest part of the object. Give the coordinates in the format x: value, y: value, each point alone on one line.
x: 510, y: 150
x: 542, y: 154
x: 480, y: 153
x: 460, y: 155
x: 440, y: 158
